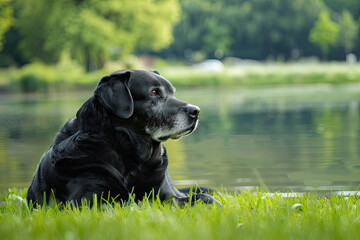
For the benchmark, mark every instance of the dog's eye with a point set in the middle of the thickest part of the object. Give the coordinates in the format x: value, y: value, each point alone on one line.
x: 154, y: 93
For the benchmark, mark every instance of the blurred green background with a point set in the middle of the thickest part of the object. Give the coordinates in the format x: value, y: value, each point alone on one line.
x: 277, y: 82
x: 66, y: 44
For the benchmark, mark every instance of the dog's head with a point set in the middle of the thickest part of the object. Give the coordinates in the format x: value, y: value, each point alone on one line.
x: 146, y: 101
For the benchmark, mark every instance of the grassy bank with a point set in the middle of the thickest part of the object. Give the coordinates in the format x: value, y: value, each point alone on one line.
x: 250, y: 215
x: 266, y: 74
x: 41, y: 78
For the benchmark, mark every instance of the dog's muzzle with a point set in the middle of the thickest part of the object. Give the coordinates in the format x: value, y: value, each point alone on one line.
x: 192, y: 113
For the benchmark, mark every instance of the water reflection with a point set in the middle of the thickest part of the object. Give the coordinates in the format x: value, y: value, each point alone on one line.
x: 295, y: 138
x: 288, y: 139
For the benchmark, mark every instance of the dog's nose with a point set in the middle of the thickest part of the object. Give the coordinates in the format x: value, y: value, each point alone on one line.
x: 193, y: 110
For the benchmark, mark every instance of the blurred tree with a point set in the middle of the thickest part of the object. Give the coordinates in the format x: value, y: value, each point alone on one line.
x: 247, y: 29
x: 348, y: 31
x: 217, y: 37
x: 89, y: 29
x: 93, y: 31
x: 6, y: 18
x: 11, y: 54
x: 324, y: 33
x: 280, y: 25
x: 353, y: 6
x: 33, y: 26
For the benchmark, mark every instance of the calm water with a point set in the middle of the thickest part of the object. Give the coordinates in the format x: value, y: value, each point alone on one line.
x: 279, y: 138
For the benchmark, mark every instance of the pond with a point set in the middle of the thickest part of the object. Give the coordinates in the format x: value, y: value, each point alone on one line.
x: 296, y: 138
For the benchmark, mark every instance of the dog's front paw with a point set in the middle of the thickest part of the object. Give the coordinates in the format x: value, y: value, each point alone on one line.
x: 206, y: 198
x: 181, y: 201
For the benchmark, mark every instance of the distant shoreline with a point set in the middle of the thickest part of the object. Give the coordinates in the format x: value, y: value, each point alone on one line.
x: 47, y: 79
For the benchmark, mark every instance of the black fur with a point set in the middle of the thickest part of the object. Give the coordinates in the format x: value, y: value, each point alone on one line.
x: 113, y: 147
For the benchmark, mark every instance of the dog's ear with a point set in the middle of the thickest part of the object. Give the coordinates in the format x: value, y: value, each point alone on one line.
x: 156, y: 71
x: 114, y: 94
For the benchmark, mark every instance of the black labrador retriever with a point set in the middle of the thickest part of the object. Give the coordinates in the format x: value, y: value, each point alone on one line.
x: 113, y: 147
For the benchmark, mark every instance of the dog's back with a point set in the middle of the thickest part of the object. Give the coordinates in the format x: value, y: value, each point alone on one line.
x: 79, y: 163
x: 40, y: 188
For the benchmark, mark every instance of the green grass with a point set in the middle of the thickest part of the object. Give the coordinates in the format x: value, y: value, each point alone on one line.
x: 266, y: 74
x: 41, y: 78
x: 249, y: 215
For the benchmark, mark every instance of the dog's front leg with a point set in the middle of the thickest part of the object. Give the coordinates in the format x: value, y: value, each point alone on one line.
x: 168, y: 191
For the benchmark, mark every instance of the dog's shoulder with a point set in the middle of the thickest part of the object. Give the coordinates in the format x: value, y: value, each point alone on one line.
x: 71, y: 140
x: 69, y: 129
x: 81, y: 153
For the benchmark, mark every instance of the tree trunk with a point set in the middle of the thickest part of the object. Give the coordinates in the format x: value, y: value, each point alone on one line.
x: 87, y: 60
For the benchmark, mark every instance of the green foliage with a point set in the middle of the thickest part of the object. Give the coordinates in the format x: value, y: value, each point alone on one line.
x: 249, y: 29
x: 257, y: 29
x: 324, y: 33
x: 217, y: 37
x: 31, y: 81
x: 249, y: 215
x: 338, y: 6
x: 6, y: 18
x: 94, y: 32
x: 349, y: 30
x: 88, y: 30
x: 32, y: 25
x: 37, y: 77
